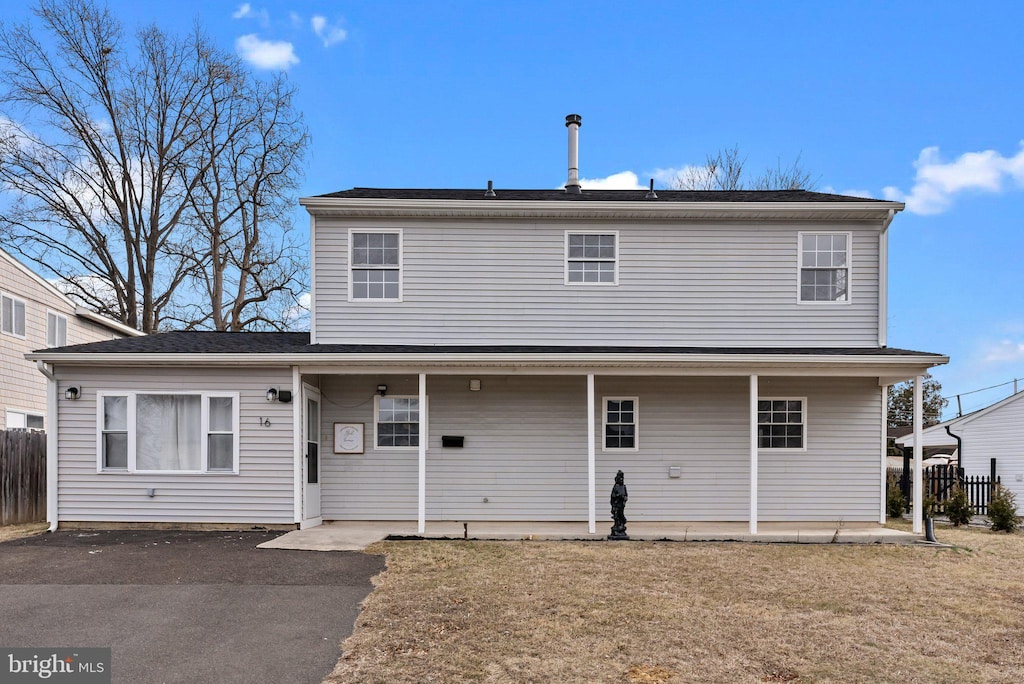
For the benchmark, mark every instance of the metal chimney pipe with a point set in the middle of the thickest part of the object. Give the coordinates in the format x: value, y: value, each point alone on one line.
x: 573, y: 123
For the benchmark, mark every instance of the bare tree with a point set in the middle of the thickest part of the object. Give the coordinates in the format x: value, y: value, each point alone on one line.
x: 251, y: 279
x: 111, y: 159
x: 726, y: 170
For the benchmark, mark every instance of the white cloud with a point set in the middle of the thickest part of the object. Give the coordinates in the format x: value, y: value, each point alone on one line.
x: 624, y: 180
x: 937, y: 182
x: 245, y: 11
x: 850, y: 192
x: 266, y: 54
x: 296, y: 19
x: 328, y: 33
x: 1004, y: 351
x: 299, y: 311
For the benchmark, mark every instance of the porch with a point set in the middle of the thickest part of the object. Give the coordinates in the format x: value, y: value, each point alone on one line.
x: 357, y: 535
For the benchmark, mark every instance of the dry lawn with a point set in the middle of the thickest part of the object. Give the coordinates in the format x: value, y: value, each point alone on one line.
x: 693, y: 612
x: 9, y: 532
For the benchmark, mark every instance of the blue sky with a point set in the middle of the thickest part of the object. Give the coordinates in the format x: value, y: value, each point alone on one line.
x: 920, y: 102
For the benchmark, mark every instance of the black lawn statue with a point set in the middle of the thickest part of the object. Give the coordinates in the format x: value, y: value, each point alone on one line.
x: 619, y: 498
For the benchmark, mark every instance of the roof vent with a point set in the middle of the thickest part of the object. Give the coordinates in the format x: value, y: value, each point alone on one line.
x: 650, y: 193
x: 573, y: 123
x: 490, y: 189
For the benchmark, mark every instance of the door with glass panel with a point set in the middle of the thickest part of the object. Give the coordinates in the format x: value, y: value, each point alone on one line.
x: 311, y: 447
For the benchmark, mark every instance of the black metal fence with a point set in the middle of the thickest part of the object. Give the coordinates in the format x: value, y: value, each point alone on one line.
x: 939, y: 481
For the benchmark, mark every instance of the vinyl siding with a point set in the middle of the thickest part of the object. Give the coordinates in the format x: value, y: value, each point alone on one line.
x: 526, y: 453
x: 22, y: 386
x: 262, y: 492
x: 998, y: 434
x: 838, y: 477
x: 684, y: 283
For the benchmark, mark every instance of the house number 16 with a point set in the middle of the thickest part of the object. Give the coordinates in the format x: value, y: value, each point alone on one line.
x: 265, y: 422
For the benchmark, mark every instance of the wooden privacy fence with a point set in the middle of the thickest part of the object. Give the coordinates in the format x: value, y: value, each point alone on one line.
x: 939, y: 481
x: 22, y: 477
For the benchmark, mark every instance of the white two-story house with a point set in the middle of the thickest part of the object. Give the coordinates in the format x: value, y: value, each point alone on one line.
x: 498, y: 355
x: 35, y: 314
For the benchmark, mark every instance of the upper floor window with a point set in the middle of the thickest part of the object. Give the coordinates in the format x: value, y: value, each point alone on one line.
x: 12, y: 315
x: 375, y: 265
x: 781, y: 423
x: 56, y: 330
x: 824, y: 267
x: 184, y: 432
x: 592, y: 258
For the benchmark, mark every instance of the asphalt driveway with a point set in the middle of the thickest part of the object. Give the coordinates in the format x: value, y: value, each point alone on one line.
x: 184, y: 606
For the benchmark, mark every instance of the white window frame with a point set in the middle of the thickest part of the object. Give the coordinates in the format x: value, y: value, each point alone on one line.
x: 376, y: 423
x: 636, y: 424
x: 800, y: 267
x: 204, y: 431
x: 24, y: 414
x: 804, y: 424
x: 57, y: 318
x: 401, y: 264
x: 615, y: 261
x: 24, y: 312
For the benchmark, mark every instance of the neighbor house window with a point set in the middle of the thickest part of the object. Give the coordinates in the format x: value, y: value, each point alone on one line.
x: 620, y: 423
x: 24, y: 420
x: 781, y: 423
x: 824, y: 267
x: 56, y: 329
x: 591, y: 258
x: 398, y: 422
x: 12, y: 315
x: 375, y: 266
x: 158, y: 432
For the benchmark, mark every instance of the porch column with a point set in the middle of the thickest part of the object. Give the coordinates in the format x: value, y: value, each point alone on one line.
x: 591, y: 476
x: 298, y: 448
x: 423, y: 455
x: 753, y: 454
x: 918, y: 453
x: 885, y: 454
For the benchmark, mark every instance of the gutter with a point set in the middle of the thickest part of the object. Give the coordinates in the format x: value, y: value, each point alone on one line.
x: 91, y: 315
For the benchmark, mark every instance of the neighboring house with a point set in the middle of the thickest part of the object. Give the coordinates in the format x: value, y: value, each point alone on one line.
x: 996, y: 431
x: 499, y: 355
x: 35, y: 314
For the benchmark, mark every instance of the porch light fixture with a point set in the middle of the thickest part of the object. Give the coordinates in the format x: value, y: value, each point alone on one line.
x: 282, y: 396
x: 72, y: 393
x: 382, y: 390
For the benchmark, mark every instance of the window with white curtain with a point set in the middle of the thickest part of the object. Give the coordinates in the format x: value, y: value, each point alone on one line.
x: 56, y: 329
x: 12, y: 315
x: 162, y: 432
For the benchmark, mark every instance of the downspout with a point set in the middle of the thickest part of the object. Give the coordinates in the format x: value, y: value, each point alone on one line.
x: 959, y: 453
x: 51, y: 445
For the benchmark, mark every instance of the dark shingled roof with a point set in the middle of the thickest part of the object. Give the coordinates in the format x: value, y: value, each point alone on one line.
x: 204, y: 342
x: 599, y: 195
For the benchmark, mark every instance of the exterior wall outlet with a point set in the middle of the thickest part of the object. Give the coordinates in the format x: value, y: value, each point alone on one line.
x: 675, y: 471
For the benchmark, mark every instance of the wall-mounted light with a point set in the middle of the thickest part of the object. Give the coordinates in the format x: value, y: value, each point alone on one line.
x: 72, y: 393
x: 474, y: 385
x: 382, y: 390
x: 282, y: 396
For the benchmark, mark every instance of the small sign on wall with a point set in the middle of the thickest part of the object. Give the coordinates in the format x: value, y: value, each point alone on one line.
x: 348, y: 438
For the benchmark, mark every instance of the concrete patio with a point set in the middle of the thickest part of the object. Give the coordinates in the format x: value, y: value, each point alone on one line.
x: 357, y: 535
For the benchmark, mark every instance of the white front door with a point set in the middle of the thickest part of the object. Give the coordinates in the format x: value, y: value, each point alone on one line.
x: 311, y: 460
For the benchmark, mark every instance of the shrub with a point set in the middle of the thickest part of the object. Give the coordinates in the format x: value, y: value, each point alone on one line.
x: 958, y: 507
x: 895, y: 502
x: 1002, y: 510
